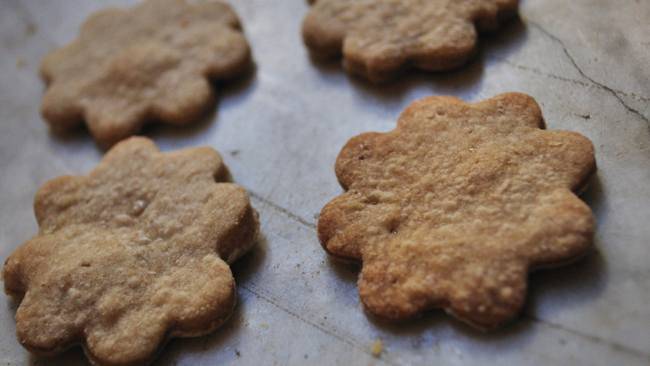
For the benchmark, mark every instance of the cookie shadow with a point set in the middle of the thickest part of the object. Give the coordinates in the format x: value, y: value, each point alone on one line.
x: 431, y: 321
x: 464, y: 81
x: 550, y: 291
x: 229, y: 94
x: 178, y: 347
x: 345, y: 270
x: 250, y: 263
x: 556, y: 289
x: 75, y: 136
x: 506, y: 40
x: 72, y: 357
x: 242, y: 269
x: 79, y: 136
x: 194, y: 347
x: 155, y: 129
x: 594, y: 196
x: 416, y: 327
x: 437, y: 330
x: 237, y: 91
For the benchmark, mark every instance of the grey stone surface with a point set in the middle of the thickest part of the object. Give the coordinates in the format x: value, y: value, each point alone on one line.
x: 585, y: 61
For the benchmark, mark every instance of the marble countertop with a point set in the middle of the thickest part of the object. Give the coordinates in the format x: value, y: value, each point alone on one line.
x: 587, y: 62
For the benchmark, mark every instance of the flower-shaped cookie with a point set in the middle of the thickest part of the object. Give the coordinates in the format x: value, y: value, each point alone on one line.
x: 455, y: 206
x: 131, y: 255
x: 150, y: 62
x: 379, y: 37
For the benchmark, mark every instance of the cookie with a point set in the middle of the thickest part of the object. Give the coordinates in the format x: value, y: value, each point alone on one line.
x: 378, y: 38
x: 131, y: 255
x: 152, y: 62
x: 456, y: 205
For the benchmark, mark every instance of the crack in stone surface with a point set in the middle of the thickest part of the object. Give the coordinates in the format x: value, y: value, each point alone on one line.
x: 283, y: 210
x: 276, y: 303
x: 581, y: 83
x: 596, y: 339
x: 612, y: 91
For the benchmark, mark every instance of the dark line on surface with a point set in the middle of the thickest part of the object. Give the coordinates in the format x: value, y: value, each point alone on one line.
x: 282, y: 210
x: 594, y: 82
x: 581, y: 83
x: 539, y: 72
x: 267, y: 298
x: 595, y: 339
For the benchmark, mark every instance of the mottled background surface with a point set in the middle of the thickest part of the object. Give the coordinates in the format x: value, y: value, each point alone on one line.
x: 587, y: 62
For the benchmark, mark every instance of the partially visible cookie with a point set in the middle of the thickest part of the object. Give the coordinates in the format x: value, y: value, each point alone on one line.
x: 378, y: 38
x: 456, y: 205
x: 131, y: 255
x: 151, y: 62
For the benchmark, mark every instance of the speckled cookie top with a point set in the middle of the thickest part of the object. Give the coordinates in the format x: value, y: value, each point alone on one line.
x: 453, y: 207
x: 150, y: 62
x: 379, y: 37
x: 131, y: 254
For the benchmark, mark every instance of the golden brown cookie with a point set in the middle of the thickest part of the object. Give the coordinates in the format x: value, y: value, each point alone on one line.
x: 151, y: 62
x: 380, y: 37
x: 131, y: 255
x: 456, y: 205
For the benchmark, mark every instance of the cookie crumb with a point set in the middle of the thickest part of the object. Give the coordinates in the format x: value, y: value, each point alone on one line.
x: 30, y: 29
x: 377, y: 348
x: 237, y: 353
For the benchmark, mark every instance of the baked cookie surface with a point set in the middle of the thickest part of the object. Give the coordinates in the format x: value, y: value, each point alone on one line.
x: 131, y: 255
x: 150, y: 62
x: 378, y: 38
x: 456, y: 205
